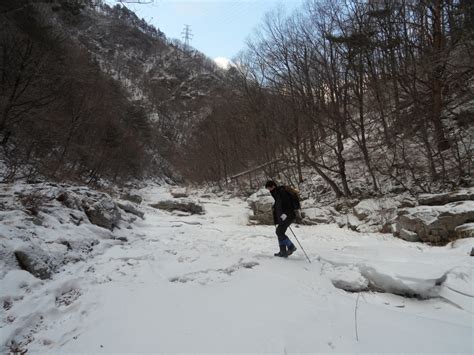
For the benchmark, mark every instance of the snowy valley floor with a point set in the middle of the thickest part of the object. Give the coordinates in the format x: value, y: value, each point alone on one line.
x: 210, y: 284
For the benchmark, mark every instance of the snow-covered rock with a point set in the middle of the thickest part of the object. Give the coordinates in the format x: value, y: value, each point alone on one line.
x: 378, y: 214
x: 179, y: 192
x: 69, y: 199
x: 36, y: 261
x: 104, y: 213
x: 135, y: 198
x: 442, y: 199
x: 182, y: 205
x: 261, y: 204
x: 409, y: 235
x: 129, y: 208
x: 315, y: 215
x: 465, y: 230
x: 436, y: 224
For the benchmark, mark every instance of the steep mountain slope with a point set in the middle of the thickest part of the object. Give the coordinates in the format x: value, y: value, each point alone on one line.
x: 176, y: 85
x: 92, y: 92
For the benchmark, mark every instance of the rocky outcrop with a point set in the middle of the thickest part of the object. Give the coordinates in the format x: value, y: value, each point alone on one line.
x: 372, y: 215
x: 182, y: 205
x: 443, y: 199
x: 435, y: 224
x: 104, y: 213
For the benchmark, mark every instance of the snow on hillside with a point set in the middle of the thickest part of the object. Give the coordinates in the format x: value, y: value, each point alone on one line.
x: 209, y: 283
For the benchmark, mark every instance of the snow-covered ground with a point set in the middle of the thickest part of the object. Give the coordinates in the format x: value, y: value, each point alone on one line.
x: 210, y: 284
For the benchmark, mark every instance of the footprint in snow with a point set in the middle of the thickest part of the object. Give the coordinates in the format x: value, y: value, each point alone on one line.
x: 207, y: 276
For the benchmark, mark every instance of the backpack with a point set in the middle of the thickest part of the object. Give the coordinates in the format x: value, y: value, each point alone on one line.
x: 295, y: 197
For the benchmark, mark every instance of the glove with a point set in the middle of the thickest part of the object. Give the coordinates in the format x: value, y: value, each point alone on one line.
x: 283, y: 217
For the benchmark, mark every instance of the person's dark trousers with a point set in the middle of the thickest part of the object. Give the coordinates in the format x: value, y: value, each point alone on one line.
x: 283, y: 240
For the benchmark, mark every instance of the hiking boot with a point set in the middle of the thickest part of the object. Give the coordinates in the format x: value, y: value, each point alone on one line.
x: 291, y: 250
x: 282, y: 253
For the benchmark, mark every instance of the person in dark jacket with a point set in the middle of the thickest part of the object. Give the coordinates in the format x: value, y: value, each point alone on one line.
x: 283, y: 215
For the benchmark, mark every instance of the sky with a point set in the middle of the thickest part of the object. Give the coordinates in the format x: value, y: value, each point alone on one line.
x: 218, y: 27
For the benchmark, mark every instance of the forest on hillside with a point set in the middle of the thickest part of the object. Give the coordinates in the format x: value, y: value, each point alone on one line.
x: 379, y: 90
x: 388, y: 84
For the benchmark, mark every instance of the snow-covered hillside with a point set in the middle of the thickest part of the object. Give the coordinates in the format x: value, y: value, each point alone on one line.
x: 209, y: 283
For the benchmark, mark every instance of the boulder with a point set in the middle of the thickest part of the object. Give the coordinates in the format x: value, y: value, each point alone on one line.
x: 445, y: 198
x: 465, y: 230
x: 69, y: 199
x: 104, y: 213
x: 35, y: 261
x: 315, y: 215
x: 377, y: 210
x: 345, y: 205
x: 181, y: 205
x: 132, y: 198
x: 179, y: 193
x: 376, y: 215
x: 436, y: 224
x: 129, y: 208
x: 408, y: 235
x: 261, y: 204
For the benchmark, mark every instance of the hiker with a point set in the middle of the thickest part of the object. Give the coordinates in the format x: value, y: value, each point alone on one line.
x: 283, y: 215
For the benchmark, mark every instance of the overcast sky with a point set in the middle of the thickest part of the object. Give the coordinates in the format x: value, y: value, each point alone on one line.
x: 219, y: 27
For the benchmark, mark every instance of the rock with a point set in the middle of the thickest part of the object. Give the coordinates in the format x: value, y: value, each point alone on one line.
x: 406, y: 202
x: 435, y: 224
x: 345, y: 205
x: 261, y: 204
x: 69, y: 200
x: 179, y: 193
x: 408, y: 235
x: 132, y: 198
x: 122, y: 239
x: 104, y: 213
x: 35, y: 261
x: 397, y: 189
x: 472, y: 252
x: 388, y: 227
x: 183, y: 206
x: 8, y: 260
x: 442, y: 199
x: 129, y: 208
x: 465, y: 230
x: 353, y: 222
x: 315, y: 215
x: 378, y: 211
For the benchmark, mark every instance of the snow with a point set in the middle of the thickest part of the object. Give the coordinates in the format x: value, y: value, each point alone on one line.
x: 210, y: 284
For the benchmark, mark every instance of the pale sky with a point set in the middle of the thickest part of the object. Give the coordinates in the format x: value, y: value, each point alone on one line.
x: 219, y: 27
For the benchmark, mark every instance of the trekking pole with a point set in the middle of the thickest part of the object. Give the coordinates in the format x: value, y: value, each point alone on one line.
x: 300, y: 245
